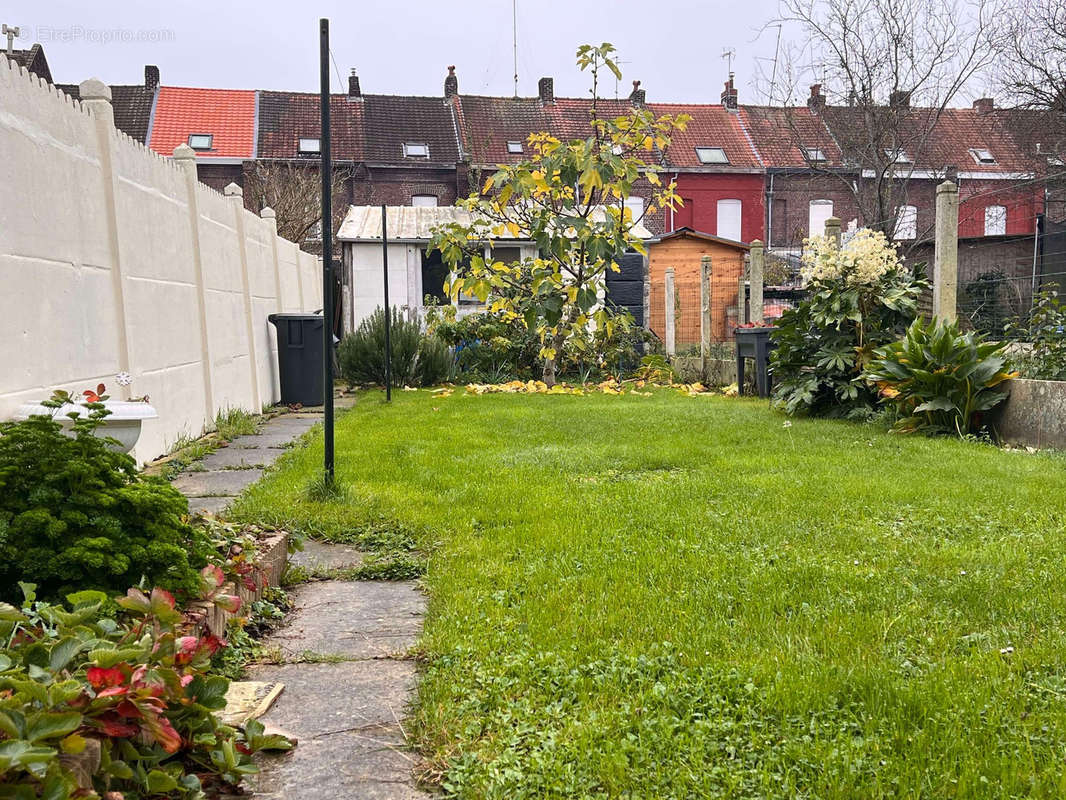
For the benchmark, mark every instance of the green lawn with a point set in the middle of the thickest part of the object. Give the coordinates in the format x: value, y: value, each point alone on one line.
x: 673, y: 596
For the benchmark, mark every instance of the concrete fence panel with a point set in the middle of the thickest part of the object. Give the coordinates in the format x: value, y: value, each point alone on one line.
x: 113, y: 258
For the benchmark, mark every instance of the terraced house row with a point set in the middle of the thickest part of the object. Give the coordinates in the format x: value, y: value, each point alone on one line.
x: 745, y: 172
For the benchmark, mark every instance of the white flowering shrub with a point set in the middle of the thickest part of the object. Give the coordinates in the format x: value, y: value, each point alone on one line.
x: 860, y: 297
x: 863, y: 262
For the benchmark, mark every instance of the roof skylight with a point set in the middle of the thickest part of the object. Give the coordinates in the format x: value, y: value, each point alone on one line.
x: 711, y: 155
x: 200, y: 141
x: 415, y: 150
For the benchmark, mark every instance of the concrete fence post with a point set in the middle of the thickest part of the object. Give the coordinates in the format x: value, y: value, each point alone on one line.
x: 756, y: 279
x: 96, y: 99
x: 671, y: 346
x: 236, y: 199
x: 742, y: 291
x: 832, y: 229
x: 705, y: 314
x: 185, y: 157
x: 946, y: 251
x: 272, y: 220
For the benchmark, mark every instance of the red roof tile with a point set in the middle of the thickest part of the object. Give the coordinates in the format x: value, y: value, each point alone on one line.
x: 709, y: 126
x: 779, y: 133
x: 227, y: 114
x: 286, y: 117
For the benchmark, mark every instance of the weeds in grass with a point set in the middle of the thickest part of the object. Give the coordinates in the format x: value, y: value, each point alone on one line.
x: 320, y: 490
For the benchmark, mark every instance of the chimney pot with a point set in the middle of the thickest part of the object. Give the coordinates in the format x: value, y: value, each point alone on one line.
x: 546, y: 90
x: 151, y: 76
x: 637, y: 96
x: 984, y: 105
x: 729, y: 95
x: 451, y: 83
x: 817, y: 99
x: 354, y: 89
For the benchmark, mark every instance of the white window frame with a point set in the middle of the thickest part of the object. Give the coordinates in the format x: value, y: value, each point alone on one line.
x: 898, y: 156
x: 422, y: 200
x: 729, y: 203
x: 411, y: 150
x: 304, y: 147
x: 200, y: 148
x: 814, y: 154
x: 906, y: 229
x: 515, y: 147
x: 816, y: 220
x: 704, y: 155
x: 995, y: 220
x: 636, y: 206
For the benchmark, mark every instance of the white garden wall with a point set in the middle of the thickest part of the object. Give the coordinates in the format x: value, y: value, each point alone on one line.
x: 113, y: 258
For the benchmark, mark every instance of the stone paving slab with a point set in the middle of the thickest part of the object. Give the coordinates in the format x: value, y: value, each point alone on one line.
x: 212, y: 505
x: 218, y: 483
x: 325, y: 556
x: 241, y: 457
x: 360, y: 619
x: 346, y: 718
x: 288, y: 423
x: 280, y: 440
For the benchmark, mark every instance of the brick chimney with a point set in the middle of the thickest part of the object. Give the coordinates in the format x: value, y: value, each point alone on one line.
x: 636, y: 97
x: 729, y: 94
x: 899, y: 99
x: 984, y: 105
x: 354, y: 90
x: 451, y: 83
x: 546, y: 90
x: 151, y: 76
x: 816, y: 102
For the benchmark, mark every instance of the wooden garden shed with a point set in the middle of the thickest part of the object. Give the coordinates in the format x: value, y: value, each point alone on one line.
x: 683, y: 250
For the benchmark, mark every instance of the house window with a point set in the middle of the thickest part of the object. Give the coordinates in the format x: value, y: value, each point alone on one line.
x: 415, y: 150
x: 434, y: 274
x: 201, y: 141
x: 309, y: 144
x: 424, y: 200
x: 711, y: 155
x: 897, y: 156
x: 729, y: 219
x: 315, y: 233
x: 514, y: 147
x: 906, y: 223
x: 636, y: 207
x: 995, y: 221
x: 982, y: 156
x: 814, y: 154
x: 818, y: 213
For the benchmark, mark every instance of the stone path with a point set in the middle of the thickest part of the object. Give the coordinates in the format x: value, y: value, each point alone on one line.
x: 215, y: 481
x: 342, y: 653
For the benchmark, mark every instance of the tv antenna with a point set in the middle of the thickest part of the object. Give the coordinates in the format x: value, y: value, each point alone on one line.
x: 729, y: 55
x: 514, y: 40
x: 12, y: 33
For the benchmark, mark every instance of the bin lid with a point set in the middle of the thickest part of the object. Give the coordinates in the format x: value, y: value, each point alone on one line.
x: 294, y: 316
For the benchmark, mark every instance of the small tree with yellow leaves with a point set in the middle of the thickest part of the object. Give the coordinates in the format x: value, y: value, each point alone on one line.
x: 569, y: 199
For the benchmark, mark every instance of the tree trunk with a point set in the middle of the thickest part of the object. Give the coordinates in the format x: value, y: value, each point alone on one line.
x: 550, y: 363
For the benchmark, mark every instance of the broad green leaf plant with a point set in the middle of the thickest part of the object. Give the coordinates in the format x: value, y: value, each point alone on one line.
x: 939, y: 379
x: 569, y: 199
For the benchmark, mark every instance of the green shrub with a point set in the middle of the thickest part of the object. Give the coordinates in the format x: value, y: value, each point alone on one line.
x: 938, y: 379
x: 1043, y: 354
x: 75, y: 514
x: 91, y: 705
x: 417, y: 359
x: 859, y: 298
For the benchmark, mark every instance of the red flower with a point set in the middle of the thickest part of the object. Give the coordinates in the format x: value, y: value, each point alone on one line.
x: 100, y: 678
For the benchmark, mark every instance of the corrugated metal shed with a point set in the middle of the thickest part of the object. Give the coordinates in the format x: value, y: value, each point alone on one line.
x: 413, y: 223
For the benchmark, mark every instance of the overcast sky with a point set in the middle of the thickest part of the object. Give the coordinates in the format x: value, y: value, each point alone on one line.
x: 404, y: 46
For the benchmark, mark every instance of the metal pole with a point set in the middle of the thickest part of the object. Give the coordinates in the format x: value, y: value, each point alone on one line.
x: 326, y: 170
x: 388, y: 308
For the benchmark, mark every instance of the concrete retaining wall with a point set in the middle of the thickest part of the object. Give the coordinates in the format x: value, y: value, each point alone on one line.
x: 115, y: 259
x: 1034, y: 415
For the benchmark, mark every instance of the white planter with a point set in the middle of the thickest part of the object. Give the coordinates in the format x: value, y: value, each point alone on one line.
x: 123, y: 423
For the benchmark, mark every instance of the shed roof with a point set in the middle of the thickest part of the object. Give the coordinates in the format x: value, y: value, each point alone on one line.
x: 415, y: 223
x: 689, y: 233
